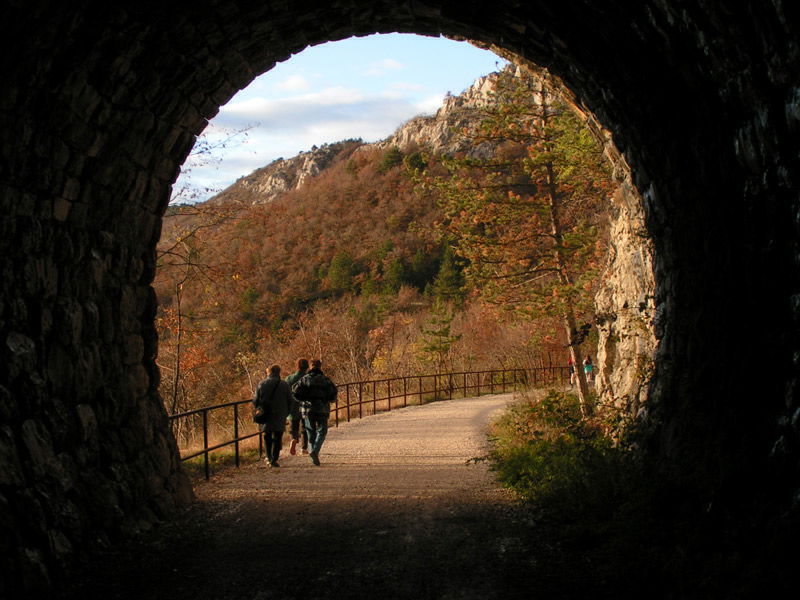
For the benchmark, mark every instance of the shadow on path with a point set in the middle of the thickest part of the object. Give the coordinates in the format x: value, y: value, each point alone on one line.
x: 400, y: 508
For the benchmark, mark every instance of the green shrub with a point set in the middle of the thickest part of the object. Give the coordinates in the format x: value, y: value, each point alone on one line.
x: 391, y: 158
x: 554, y: 458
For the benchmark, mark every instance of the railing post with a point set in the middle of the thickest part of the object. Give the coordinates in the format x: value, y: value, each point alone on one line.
x: 465, y: 385
x: 347, y: 390
x: 420, y: 390
x: 405, y: 398
x: 374, y: 397
x: 236, y: 434
x: 389, y: 392
x: 205, y: 444
x: 360, y: 400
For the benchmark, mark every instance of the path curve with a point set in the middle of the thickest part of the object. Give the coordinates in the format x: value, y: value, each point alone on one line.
x: 403, y: 506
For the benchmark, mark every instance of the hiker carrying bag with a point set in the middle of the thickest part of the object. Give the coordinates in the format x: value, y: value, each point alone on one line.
x: 260, y: 414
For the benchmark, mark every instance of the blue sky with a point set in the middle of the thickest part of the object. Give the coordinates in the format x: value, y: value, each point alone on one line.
x: 356, y: 88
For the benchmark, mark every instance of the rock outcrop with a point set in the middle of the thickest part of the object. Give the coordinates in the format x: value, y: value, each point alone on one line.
x: 625, y: 309
x: 438, y: 132
x: 441, y: 132
x: 265, y: 184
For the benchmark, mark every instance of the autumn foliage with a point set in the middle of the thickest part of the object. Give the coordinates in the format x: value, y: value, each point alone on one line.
x: 366, y: 268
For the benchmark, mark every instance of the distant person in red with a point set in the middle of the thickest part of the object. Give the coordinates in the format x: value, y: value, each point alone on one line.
x: 295, y: 418
x: 571, y: 364
x: 274, y: 398
x: 315, y: 392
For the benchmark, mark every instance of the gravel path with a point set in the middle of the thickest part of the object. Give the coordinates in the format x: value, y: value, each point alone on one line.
x: 403, y: 506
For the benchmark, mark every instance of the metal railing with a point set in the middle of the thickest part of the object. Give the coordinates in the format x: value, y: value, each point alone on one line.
x: 356, y: 400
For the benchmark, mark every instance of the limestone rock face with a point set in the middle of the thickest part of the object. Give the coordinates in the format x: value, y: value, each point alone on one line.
x: 265, y: 184
x: 440, y: 132
x: 625, y: 308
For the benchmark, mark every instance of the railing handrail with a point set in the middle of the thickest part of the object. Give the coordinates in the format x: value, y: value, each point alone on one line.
x: 368, y: 381
x: 196, y: 411
x: 369, y: 385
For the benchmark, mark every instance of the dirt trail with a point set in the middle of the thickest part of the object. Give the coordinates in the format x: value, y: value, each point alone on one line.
x: 400, y: 508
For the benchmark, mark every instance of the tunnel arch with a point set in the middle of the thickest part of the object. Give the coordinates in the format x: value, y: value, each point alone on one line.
x: 101, y: 105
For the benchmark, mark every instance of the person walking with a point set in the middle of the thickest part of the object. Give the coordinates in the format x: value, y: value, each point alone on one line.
x: 571, y: 365
x: 315, y: 392
x: 588, y: 368
x: 273, y: 397
x: 296, y: 425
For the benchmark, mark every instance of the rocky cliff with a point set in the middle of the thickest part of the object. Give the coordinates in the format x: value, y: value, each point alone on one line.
x: 284, y: 174
x: 438, y: 132
x: 625, y: 308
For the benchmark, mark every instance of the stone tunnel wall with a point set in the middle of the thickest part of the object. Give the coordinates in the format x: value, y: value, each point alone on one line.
x: 99, y: 105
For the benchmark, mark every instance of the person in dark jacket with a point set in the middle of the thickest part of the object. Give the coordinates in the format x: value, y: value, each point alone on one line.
x: 315, y: 392
x: 273, y: 397
x: 295, y: 418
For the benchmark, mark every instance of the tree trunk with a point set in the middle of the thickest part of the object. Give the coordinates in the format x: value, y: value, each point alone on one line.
x: 178, y: 341
x: 577, y: 361
x: 556, y: 230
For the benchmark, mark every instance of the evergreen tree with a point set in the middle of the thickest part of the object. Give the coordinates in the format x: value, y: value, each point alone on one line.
x: 391, y: 158
x: 449, y: 282
x: 526, y: 219
x: 394, y: 276
x: 342, y: 271
x: 436, y: 336
x: 424, y: 266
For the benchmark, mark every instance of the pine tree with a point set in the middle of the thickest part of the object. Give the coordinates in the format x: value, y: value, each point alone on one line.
x: 526, y: 219
x: 341, y: 272
x: 448, y: 285
x: 436, y: 336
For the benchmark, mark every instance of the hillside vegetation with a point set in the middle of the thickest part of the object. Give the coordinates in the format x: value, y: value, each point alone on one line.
x: 352, y: 252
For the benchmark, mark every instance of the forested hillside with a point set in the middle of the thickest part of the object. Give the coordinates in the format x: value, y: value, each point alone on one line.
x: 352, y: 252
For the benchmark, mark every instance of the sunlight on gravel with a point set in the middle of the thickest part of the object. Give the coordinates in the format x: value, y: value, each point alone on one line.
x: 414, y: 452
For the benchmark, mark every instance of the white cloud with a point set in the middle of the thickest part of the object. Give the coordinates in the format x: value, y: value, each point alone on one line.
x: 288, y: 111
x: 350, y: 108
x: 382, y: 67
x: 430, y: 104
x: 286, y: 126
x: 293, y: 83
x: 406, y: 86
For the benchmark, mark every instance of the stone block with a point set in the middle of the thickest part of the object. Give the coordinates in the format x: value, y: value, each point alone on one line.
x: 10, y: 468
x: 69, y: 321
x: 40, y: 459
x: 61, y: 208
x: 137, y: 381
x: 22, y: 353
x: 88, y: 425
x: 91, y: 321
x: 133, y: 349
